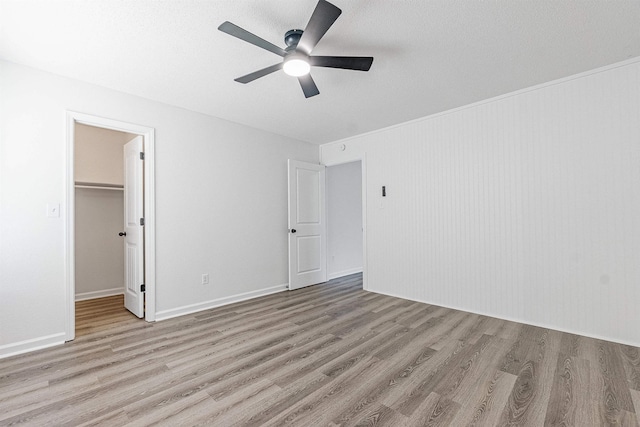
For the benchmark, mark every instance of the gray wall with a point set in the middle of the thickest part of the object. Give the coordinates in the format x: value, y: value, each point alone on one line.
x: 99, y: 249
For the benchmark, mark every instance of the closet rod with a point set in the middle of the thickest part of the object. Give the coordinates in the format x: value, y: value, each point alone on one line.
x: 99, y: 186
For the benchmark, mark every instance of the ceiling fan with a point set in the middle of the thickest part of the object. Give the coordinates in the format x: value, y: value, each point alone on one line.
x: 297, y: 59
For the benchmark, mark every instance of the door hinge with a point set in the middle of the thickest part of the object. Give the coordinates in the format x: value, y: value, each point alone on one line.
x: 141, y: 221
x: 141, y: 155
x: 143, y: 288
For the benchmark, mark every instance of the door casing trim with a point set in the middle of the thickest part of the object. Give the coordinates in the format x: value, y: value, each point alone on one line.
x: 148, y: 134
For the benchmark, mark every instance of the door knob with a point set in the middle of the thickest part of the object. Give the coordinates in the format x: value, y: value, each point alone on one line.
x: 293, y: 230
x: 122, y: 233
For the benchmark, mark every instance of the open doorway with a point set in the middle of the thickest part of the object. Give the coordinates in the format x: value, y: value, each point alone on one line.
x: 345, y: 228
x: 99, y: 197
x: 110, y: 211
x: 100, y: 234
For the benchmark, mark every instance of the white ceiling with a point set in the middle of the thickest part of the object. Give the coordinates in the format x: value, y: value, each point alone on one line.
x: 430, y: 56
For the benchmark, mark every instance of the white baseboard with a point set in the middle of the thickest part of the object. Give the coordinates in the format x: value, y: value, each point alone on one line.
x: 193, y: 308
x: 331, y: 276
x: 99, y: 294
x: 26, y: 346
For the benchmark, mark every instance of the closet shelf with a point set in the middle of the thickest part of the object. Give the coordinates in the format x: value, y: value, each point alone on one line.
x: 98, y: 186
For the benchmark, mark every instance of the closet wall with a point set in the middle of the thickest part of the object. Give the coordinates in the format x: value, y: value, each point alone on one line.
x: 344, y: 219
x: 99, y: 211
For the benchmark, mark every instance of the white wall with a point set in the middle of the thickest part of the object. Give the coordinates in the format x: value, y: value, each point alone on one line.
x: 221, y: 203
x: 525, y: 207
x: 344, y: 219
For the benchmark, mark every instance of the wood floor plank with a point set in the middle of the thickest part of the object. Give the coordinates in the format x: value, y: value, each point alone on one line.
x: 173, y: 413
x: 276, y: 366
x: 229, y: 347
x: 49, y: 372
x: 635, y: 396
x: 486, y: 401
x: 610, y: 387
x: 434, y: 411
x: 279, y: 402
x: 567, y: 406
x: 405, y: 341
x: 631, y: 360
x: 346, y: 360
x: 86, y: 404
x: 412, y: 317
x: 112, y: 419
x: 475, y: 376
x: 27, y: 388
x: 446, y: 377
x: 330, y: 354
x: 457, y: 321
x: 20, y: 403
x: 380, y: 416
x: 536, y: 369
x: 193, y: 381
x: 332, y: 397
x: 477, y: 359
x: 234, y: 406
x: 404, y: 366
x: 321, y: 359
x: 409, y: 397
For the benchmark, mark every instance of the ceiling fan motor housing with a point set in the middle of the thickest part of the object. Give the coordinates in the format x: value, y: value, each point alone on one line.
x: 291, y: 38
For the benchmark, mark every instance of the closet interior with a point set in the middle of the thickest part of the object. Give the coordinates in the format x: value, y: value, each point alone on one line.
x: 99, y: 211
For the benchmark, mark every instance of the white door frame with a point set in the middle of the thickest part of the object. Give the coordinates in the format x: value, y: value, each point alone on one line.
x: 149, y: 212
x: 362, y: 158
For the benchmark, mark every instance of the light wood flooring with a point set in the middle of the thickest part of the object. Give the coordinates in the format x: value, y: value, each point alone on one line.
x: 330, y: 354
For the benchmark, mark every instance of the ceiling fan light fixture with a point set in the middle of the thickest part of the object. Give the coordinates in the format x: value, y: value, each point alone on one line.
x: 296, y: 66
x: 296, y: 61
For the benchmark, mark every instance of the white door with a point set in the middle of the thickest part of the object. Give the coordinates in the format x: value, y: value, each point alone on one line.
x: 307, y: 227
x: 134, y: 238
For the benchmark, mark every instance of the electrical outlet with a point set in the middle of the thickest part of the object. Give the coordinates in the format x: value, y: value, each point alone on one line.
x: 205, y: 279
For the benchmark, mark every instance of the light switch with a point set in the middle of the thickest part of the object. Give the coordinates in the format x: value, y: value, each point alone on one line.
x: 53, y: 210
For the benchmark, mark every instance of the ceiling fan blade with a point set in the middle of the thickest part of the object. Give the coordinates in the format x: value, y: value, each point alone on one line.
x: 242, y: 34
x: 323, y: 17
x: 260, y: 73
x: 308, y: 86
x: 360, y: 63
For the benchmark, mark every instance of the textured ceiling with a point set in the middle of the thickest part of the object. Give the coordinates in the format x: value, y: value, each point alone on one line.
x: 430, y: 56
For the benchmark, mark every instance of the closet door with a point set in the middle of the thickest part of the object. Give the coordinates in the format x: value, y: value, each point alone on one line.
x: 133, y: 227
